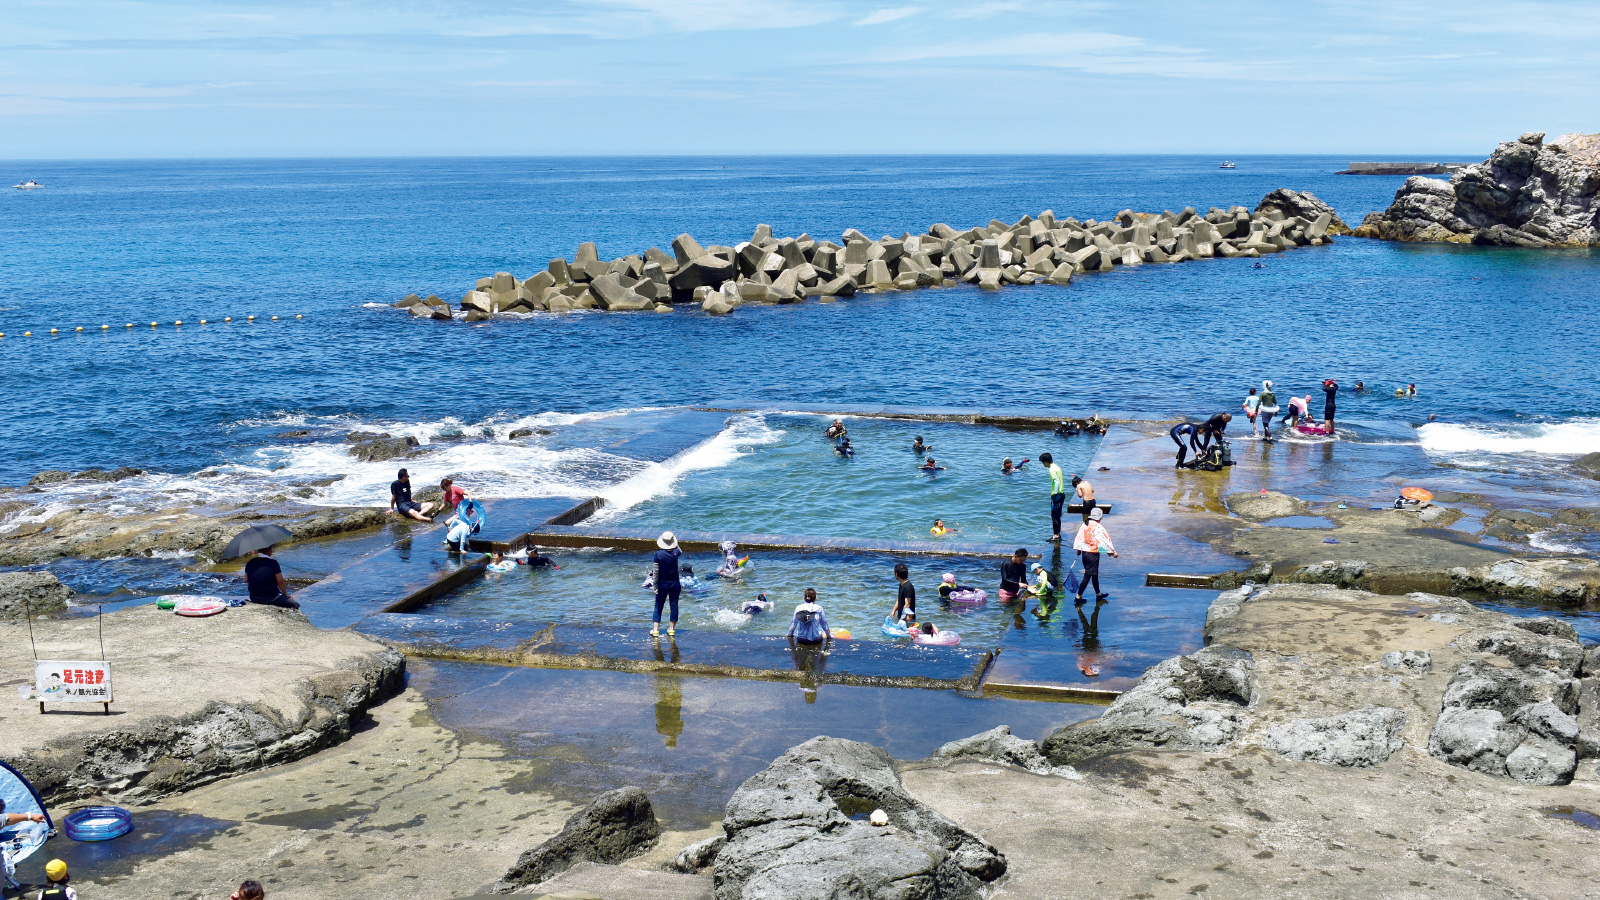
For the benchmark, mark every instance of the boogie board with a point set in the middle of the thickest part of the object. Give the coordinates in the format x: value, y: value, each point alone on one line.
x: 1313, y: 429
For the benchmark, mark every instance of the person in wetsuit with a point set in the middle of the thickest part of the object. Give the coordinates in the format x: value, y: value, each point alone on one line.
x: 1211, y: 430
x: 1330, y: 391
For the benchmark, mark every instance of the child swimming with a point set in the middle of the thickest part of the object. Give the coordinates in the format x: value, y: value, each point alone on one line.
x: 932, y: 465
x: 939, y: 529
x: 732, y: 566
x: 754, y: 607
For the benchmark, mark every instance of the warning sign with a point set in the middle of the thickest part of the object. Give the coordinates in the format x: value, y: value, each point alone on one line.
x: 72, y: 681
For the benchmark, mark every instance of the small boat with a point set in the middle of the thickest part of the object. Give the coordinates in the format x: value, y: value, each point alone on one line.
x: 1227, y: 165
x: 29, y: 185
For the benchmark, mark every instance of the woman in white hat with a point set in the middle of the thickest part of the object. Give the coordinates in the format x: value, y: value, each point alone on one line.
x: 668, y: 586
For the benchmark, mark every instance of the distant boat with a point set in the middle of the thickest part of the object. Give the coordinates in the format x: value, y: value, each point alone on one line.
x: 1227, y: 165
x: 29, y: 185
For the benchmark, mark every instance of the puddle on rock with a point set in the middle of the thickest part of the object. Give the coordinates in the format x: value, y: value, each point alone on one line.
x: 156, y: 833
x: 1299, y: 522
x: 1578, y: 816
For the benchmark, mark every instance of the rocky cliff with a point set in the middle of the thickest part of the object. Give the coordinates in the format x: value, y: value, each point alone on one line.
x: 1528, y: 193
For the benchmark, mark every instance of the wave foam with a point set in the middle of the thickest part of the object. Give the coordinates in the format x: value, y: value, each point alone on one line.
x: 1570, y: 438
x: 734, y: 441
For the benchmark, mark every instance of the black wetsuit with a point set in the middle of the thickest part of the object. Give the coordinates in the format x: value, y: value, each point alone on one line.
x: 1213, y: 428
x: 1184, y: 436
x: 1330, y: 391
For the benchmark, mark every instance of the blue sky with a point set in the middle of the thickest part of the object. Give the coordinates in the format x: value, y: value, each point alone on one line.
x: 173, y: 78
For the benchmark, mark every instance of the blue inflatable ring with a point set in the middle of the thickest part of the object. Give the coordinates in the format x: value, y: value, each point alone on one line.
x: 98, y: 823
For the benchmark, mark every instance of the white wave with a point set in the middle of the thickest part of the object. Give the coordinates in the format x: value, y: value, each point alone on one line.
x: 1552, y: 542
x: 734, y: 441
x: 376, y: 305
x: 728, y: 618
x: 1572, y: 437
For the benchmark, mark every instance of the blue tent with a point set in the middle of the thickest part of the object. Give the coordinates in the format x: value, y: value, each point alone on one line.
x: 19, y: 841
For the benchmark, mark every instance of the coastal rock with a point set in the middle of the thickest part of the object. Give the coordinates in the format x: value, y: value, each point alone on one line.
x: 698, y: 856
x: 1259, y: 507
x: 1357, y: 739
x: 408, y: 301
x: 999, y: 745
x: 1528, y: 193
x: 31, y: 593
x: 1192, y: 702
x: 1414, y: 662
x: 1512, y: 722
x: 49, y: 476
x: 1305, y: 205
x: 791, y: 834
x: 615, y: 826
x: 1571, y: 581
x: 378, y: 447
x: 1588, y: 464
x: 1347, y: 573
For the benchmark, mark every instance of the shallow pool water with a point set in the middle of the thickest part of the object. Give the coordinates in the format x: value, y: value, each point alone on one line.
x: 856, y: 592
x: 790, y: 480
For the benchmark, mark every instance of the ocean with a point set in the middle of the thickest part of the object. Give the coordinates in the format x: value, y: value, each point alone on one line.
x: 1498, y: 341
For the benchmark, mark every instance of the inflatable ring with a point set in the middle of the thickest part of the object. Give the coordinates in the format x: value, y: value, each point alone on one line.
x: 98, y: 823
x: 1415, y: 493
x: 166, y: 602
x: 841, y: 634
x: 942, y: 639
x: 200, y: 607
x: 893, y: 628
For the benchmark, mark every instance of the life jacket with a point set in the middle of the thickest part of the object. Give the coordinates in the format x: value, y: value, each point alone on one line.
x: 54, y: 891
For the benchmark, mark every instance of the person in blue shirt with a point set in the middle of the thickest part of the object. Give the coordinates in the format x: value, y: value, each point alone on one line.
x: 265, y: 578
x: 810, y: 624
x: 667, y: 583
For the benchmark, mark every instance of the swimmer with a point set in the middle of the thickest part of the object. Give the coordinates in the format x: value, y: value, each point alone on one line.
x: 843, y: 448
x: 948, y: 586
x: 1411, y: 390
x: 1006, y: 468
x: 1361, y: 387
x: 1067, y: 429
x: 1258, y: 266
x: 757, y: 606
x: 939, y: 529
x: 731, y: 562
x: 835, y: 430
x: 918, y: 447
x: 927, y: 628
x: 650, y: 578
x: 932, y: 465
x: 532, y: 559
x: 499, y: 563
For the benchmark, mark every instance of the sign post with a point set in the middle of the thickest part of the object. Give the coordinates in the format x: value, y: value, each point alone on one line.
x: 73, y: 681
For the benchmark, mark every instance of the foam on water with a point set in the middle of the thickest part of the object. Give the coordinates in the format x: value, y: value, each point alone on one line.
x: 1572, y: 437
x: 742, y: 434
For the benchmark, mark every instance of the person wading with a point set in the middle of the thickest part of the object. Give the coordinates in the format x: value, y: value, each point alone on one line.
x: 668, y: 586
x: 1058, y: 495
x: 1092, y: 539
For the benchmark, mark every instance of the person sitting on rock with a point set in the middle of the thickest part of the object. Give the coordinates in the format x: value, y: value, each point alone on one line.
x: 264, y: 577
x: 400, y: 500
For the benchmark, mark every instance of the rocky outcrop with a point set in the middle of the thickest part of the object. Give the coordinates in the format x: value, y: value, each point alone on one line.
x: 1194, y: 702
x: 1515, y: 722
x: 1357, y: 739
x: 616, y: 826
x: 167, y: 755
x: 797, y: 831
x: 1305, y: 205
x: 999, y: 745
x: 1259, y: 507
x: 31, y: 593
x: 379, y: 447
x: 1571, y: 581
x: 1528, y: 193
x: 771, y: 270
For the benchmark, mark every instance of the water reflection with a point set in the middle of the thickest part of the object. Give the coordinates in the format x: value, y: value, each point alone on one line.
x: 669, y: 708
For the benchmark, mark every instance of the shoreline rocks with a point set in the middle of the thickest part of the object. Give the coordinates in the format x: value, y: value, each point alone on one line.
x: 615, y: 826
x: 1528, y: 193
x: 31, y: 593
x: 771, y: 270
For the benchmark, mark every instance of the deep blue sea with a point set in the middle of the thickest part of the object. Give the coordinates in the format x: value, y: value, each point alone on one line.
x: 1500, y: 342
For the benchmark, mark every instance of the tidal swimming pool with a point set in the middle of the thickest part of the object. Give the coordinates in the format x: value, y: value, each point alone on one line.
x: 789, y: 480
x: 604, y: 587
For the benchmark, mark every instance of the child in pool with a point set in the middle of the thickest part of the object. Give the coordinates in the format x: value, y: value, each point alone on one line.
x: 948, y: 586
x: 932, y: 465
x: 1040, y: 587
x: 759, y: 605
x: 939, y: 529
x: 926, y: 628
x: 918, y: 447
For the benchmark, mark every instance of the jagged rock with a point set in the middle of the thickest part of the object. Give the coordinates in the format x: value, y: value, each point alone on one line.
x: 1259, y: 507
x: 1574, y: 581
x: 790, y: 835
x: 1416, y: 662
x: 31, y: 593
x: 999, y: 745
x: 49, y: 476
x: 1526, y: 648
x: 1528, y: 193
x: 1346, y: 573
x: 1513, y: 722
x: 617, y: 825
x: 377, y: 447
x: 1192, y: 702
x: 1305, y: 205
x: 1359, y: 738
x: 699, y: 856
x: 1550, y: 627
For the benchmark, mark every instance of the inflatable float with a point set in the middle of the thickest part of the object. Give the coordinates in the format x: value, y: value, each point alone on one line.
x: 841, y: 634
x: 941, y: 639
x: 98, y: 823
x: 893, y: 628
x: 503, y: 567
x: 1320, y: 430
x: 200, y: 607
x: 969, y: 597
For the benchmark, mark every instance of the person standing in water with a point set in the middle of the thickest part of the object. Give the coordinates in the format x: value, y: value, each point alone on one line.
x: 1085, y: 492
x: 905, y: 603
x: 1252, y: 404
x: 1091, y: 541
x: 1266, y: 408
x: 669, y: 587
x: 1013, y: 574
x: 1330, y: 392
x: 1058, y: 494
x: 810, y: 624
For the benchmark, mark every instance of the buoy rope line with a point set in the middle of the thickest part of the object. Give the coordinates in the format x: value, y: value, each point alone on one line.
x: 177, y: 323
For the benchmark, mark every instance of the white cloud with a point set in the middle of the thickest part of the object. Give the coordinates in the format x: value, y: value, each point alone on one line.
x: 888, y: 14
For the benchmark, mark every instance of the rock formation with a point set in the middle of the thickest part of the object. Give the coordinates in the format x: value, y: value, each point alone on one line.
x: 771, y: 270
x: 1528, y: 193
x: 31, y: 593
x: 793, y: 834
x: 617, y: 825
x: 999, y: 745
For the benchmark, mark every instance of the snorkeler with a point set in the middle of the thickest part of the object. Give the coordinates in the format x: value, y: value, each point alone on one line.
x: 835, y: 430
x: 1006, y: 468
x: 932, y: 465
x: 843, y: 448
x: 918, y: 447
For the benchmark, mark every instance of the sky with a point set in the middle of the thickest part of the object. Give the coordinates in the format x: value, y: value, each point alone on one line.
x: 230, y: 78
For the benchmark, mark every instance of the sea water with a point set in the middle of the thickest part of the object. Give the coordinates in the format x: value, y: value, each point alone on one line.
x: 1495, y: 339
